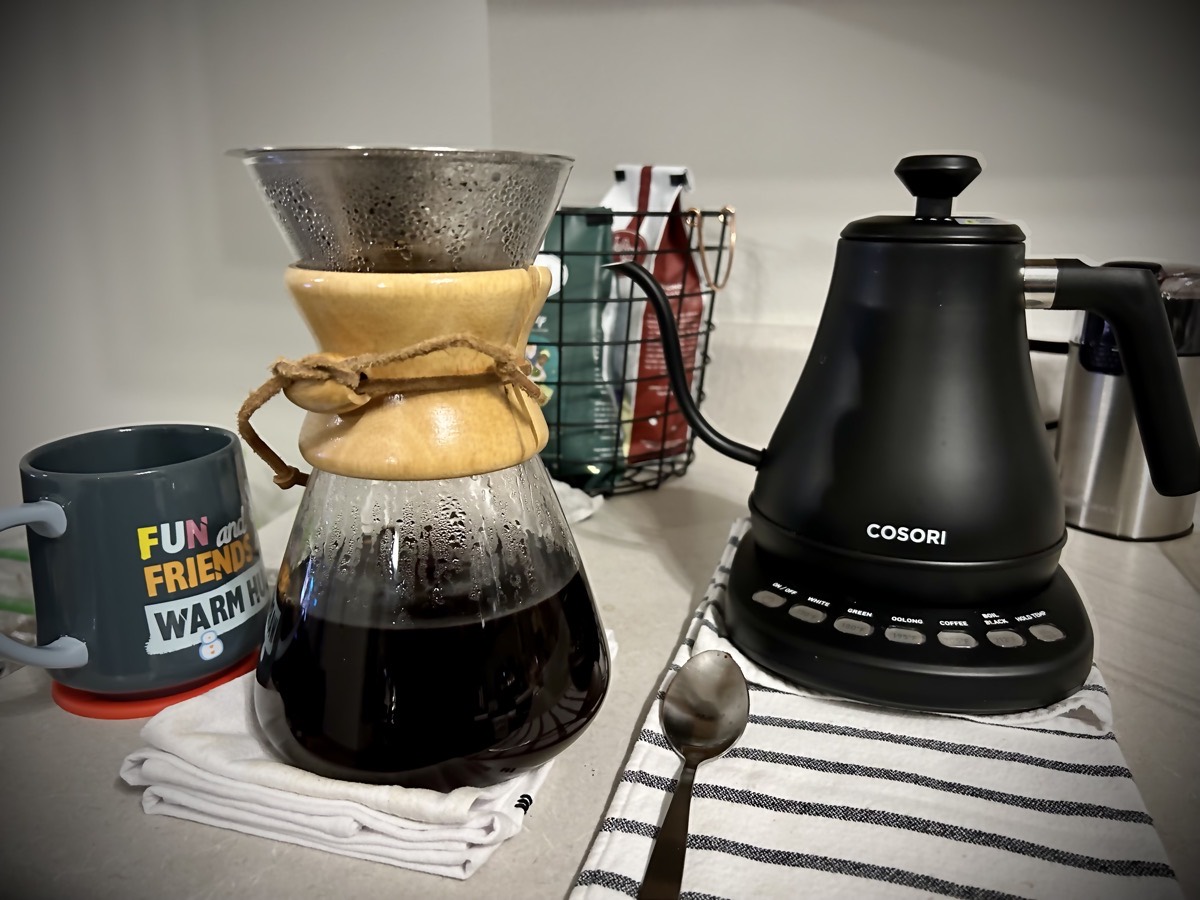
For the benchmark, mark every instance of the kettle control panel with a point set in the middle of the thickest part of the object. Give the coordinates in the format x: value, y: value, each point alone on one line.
x: 956, y: 629
x: 1018, y: 654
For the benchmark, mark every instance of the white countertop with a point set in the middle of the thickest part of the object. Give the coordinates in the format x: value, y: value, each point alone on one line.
x: 648, y: 557
x: 71, y: 829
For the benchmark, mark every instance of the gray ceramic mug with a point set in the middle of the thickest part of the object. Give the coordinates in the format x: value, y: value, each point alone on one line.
x: 146, y: 571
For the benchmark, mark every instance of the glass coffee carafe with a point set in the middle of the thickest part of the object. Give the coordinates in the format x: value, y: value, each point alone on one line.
x: 434, y: 632
x: 432, y: 625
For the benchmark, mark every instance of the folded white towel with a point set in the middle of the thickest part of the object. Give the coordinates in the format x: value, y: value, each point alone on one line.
x: 825, y: 797
x: 206, y: 763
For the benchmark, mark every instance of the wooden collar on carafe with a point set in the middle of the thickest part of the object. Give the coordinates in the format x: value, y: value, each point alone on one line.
x: 419, y: 376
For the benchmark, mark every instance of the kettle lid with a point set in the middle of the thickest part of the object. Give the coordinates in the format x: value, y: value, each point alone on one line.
x: 935, y: 180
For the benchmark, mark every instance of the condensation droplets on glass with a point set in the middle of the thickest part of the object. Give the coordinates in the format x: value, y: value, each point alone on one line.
x: 425, y: 552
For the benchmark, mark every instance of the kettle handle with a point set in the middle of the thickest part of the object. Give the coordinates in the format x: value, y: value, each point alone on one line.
x: 676, y: 371
x: 1128, y: 299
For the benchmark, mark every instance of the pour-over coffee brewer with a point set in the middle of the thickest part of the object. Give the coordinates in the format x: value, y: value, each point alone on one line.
x: 906, y: 520
x: 432, y: 625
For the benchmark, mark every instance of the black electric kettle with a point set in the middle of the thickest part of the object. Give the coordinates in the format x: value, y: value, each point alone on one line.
x: 907, y: 521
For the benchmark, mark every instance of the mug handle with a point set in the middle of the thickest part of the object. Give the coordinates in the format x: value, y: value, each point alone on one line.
x: 46, y: 518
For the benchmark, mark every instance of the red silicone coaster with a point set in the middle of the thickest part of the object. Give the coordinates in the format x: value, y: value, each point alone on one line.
x: 95, y: 706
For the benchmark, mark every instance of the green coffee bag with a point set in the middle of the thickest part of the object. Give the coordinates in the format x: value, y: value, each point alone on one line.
x: 565, y: 353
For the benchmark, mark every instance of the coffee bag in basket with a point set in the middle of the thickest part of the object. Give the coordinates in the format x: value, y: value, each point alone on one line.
x: 650, y: 228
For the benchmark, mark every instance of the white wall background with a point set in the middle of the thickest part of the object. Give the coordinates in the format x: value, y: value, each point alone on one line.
x: 796, y: 112
x: 142, y: 277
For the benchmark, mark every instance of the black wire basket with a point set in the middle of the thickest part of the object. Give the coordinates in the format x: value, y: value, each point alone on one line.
x: 588, y: 342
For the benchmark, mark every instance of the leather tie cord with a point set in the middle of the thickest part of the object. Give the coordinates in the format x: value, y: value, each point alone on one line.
x: 354, y: 373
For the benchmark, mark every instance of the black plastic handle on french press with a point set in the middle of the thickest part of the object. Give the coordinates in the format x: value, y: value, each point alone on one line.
x: 1129, y: 300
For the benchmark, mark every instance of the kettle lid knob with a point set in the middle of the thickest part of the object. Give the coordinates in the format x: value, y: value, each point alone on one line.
x: 936, y: 179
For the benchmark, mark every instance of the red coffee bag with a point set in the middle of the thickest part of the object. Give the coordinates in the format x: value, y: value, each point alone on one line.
x: 650, y: 228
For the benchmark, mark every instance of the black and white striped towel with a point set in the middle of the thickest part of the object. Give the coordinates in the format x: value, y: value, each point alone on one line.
x: 831, y: 798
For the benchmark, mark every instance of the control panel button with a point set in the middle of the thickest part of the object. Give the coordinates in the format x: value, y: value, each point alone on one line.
x: 807, y: 613
x: 1044, y: 631
x: 904, y: 635
x: 766, y: 598
x: 858, y: 627
x: 958, y: 639
x: 1002, y: 637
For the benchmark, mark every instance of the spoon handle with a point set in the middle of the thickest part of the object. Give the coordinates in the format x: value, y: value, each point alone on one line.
x: 664, y: 874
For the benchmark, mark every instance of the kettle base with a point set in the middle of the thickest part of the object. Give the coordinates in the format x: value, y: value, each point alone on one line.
x: 1023, y: 653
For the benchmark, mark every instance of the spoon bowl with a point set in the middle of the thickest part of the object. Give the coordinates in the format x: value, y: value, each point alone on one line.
x: 706, y: 706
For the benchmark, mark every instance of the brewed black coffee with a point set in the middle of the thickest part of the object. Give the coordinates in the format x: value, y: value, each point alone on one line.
x: 434, y: 702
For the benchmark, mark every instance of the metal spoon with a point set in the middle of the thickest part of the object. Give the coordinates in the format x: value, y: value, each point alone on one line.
x: 704, y: 711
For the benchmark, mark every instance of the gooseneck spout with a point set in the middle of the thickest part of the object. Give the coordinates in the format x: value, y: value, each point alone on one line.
x: 676, y: 370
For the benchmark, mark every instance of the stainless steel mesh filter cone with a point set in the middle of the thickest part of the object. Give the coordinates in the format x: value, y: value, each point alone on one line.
x: 409, y: 210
